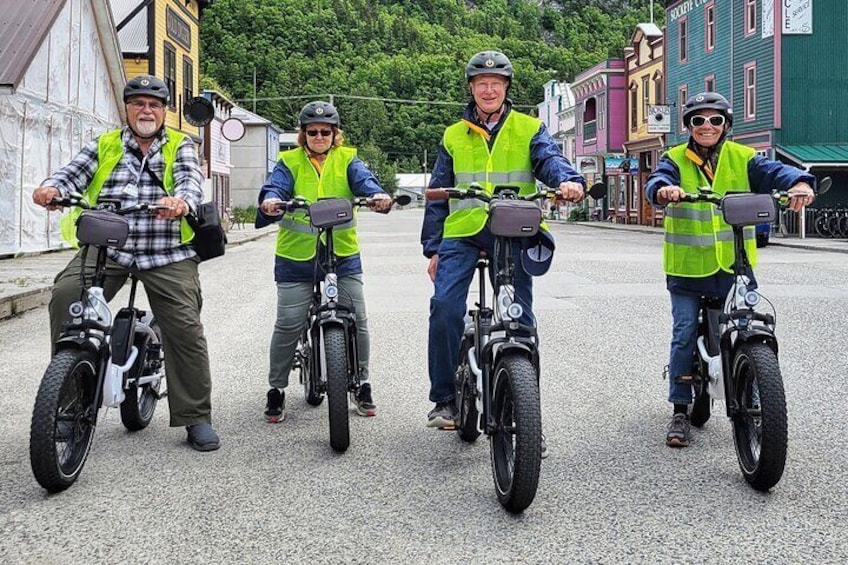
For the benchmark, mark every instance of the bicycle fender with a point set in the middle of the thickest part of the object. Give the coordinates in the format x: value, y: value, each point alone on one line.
x: 76, y: 342
x: 757, y: 336
x: 512, y: 347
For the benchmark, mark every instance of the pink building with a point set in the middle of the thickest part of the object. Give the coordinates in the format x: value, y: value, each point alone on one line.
x: 601, y: 97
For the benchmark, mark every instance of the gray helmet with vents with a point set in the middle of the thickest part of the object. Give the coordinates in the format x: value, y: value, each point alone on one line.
x: 707, y: 101
x: 147, y: 85
x: 488, y: 63
x: 319, y: 112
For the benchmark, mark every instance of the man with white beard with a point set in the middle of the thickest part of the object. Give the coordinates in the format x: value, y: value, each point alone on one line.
x: 145, y: 162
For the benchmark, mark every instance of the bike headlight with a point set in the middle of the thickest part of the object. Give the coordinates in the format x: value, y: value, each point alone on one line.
x: 331, y: 291
x: 76, y: 309
x: 514, y: 311
x: 752, y: 298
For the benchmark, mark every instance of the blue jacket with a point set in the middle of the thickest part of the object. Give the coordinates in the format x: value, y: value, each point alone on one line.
x: 280, y: 184
x: 549, y: 166
x: 764, y: 176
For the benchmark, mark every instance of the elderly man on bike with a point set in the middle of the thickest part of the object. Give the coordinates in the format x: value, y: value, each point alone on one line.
x: 146, y: 162
x: 693, y: 259
x: 493, y: 144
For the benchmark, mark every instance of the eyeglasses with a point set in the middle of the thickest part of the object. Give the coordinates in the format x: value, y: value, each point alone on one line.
x: 323, y: 132
x: 139, y: 105
x: 697, y: 121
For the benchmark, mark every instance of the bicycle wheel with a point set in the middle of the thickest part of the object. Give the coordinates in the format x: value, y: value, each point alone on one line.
x: 516, y: 445
x: 307, y: 376
x: 335, y: 354
x: 63, y: 419
x: 466, y: 397
x: 821, y: 226
x: 140, y: 402
x: 759, y: 425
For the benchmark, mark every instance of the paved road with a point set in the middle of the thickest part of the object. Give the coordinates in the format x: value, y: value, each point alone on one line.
x: 611, y: 492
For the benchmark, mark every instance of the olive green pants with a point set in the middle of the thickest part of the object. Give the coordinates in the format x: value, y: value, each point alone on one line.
x: 173, y: 292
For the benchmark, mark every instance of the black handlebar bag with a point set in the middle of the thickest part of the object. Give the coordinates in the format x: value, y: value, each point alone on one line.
x: 102, y: 228
x: 210, y: 240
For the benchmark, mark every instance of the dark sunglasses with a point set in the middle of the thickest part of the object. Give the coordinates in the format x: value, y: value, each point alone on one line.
x: 323, y: 132
x: 698, y: 121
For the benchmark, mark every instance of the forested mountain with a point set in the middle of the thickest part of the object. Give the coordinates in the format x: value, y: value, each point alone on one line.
x: 401, y: 49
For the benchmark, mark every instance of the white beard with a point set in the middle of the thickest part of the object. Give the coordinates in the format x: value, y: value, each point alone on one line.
x: 145, y: 128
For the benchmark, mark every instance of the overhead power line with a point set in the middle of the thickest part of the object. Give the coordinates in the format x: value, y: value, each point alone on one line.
x: 355, y: 97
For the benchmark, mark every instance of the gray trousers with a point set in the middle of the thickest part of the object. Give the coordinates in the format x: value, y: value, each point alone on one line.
x: 173, y: 292
x: 293, y: 299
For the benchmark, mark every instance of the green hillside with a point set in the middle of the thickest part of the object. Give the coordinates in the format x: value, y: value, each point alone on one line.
x: 403, y: 50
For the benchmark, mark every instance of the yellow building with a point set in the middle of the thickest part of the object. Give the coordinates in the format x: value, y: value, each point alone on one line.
x: 161, y: 38
x: 647, y: 117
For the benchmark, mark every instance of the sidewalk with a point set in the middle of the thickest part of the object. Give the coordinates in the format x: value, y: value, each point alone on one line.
x: 811, y: 243
x: 25, y: 281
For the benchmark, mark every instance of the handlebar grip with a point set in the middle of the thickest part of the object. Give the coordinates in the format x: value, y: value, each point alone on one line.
x: 436, y: 194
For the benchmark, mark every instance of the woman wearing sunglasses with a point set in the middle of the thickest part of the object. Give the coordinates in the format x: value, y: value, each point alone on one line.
x: 691, y: 258
x: 321, y: 166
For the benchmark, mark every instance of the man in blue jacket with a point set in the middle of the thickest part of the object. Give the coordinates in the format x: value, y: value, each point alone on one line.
x: 492, y: 141
x: 692, y: 268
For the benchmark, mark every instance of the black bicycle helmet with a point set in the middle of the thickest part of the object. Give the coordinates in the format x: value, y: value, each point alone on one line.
x: 488, y: 63
x: 147, y: 85
x: 707, y: 101
x: 319, y: 112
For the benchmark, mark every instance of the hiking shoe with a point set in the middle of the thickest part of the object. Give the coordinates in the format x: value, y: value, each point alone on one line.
x: 544, y: 447
x: 362, y: 400
x: 202, y: 437
x: 275, y: 409
x: 678, y: 431
x: 442, y: 416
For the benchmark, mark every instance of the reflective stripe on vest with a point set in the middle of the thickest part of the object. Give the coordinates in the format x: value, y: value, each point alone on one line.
x: 508, y: 162
x: 698, y: 242
x: 110, y: 151
x: 296, y: 238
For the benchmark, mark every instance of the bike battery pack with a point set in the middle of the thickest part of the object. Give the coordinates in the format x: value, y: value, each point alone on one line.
x: 122, y: 335
x: 330, y: 212
x: 748, y: 209
x: 514, y: 218
x: 102, y: 227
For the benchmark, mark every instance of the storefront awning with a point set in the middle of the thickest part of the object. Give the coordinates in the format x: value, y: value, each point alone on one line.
x: 821, y: 156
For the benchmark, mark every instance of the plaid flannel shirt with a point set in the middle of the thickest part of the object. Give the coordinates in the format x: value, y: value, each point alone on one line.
x: 152, y: 242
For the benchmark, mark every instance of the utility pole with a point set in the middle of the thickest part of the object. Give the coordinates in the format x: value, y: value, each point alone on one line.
x: 254, y: 89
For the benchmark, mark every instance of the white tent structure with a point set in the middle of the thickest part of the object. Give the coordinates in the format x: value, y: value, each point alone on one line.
x: 61, y: 78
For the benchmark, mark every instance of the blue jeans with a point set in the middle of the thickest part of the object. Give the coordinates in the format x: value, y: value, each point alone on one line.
x: 684, y: 333
x: 454, y: 273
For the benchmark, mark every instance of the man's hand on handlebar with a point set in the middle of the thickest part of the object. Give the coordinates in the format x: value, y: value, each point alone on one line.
x: 380, y: 202
x: 271, y: 207
x: 572, y: 191
x: 800, y: 195
x: 44, y: 196
x: 670, y: 193
x: 176, y: 208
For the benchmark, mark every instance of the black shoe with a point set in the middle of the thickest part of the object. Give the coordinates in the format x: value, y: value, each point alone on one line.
x: 442, y: 416
x: 202, y: 437
x: 364, y: 403
x: 275, y: 409
x: 678, y: 431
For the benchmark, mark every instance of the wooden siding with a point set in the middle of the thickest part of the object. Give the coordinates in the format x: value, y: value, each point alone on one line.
x: 748, y: 49
x: 814, y: 77
x: 189, y: 14
x: 133, y: 68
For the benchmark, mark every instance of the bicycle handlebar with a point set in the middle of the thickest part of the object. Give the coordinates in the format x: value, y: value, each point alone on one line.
x: 290, y: 206
x: 477, y: 192
x: 111, y: 204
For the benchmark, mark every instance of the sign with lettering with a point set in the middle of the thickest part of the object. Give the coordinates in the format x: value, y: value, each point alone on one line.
x: 177, y: 29
x: 684, y: 8
x: 659, y: 118
x: 768, y: 18
x: 797, y: 17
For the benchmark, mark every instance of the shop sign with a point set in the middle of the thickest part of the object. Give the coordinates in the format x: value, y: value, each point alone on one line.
x: 797, y: 17
x: 177, y: 29
x: 587, y: 164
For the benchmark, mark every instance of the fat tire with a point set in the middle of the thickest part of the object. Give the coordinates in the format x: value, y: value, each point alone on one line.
x: 516, y: 444
x: 140, y: 402
x: 467, y: 417
x: 69, y: 369
x: 335, y: 354
x: 760, y: 438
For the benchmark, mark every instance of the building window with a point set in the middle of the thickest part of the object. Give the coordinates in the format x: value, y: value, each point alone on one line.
x: 658, y: 89
x: 589, y: 119
x: 709, y: 84
x: 683, y: 33
x: 646, y: 97
x: 682, y: 96
x: 188, y: 79
x: 750, y: 17
x: 634, y: 104
x: 171, y: 72
x: 710, y: 23
x: 750, y: 71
